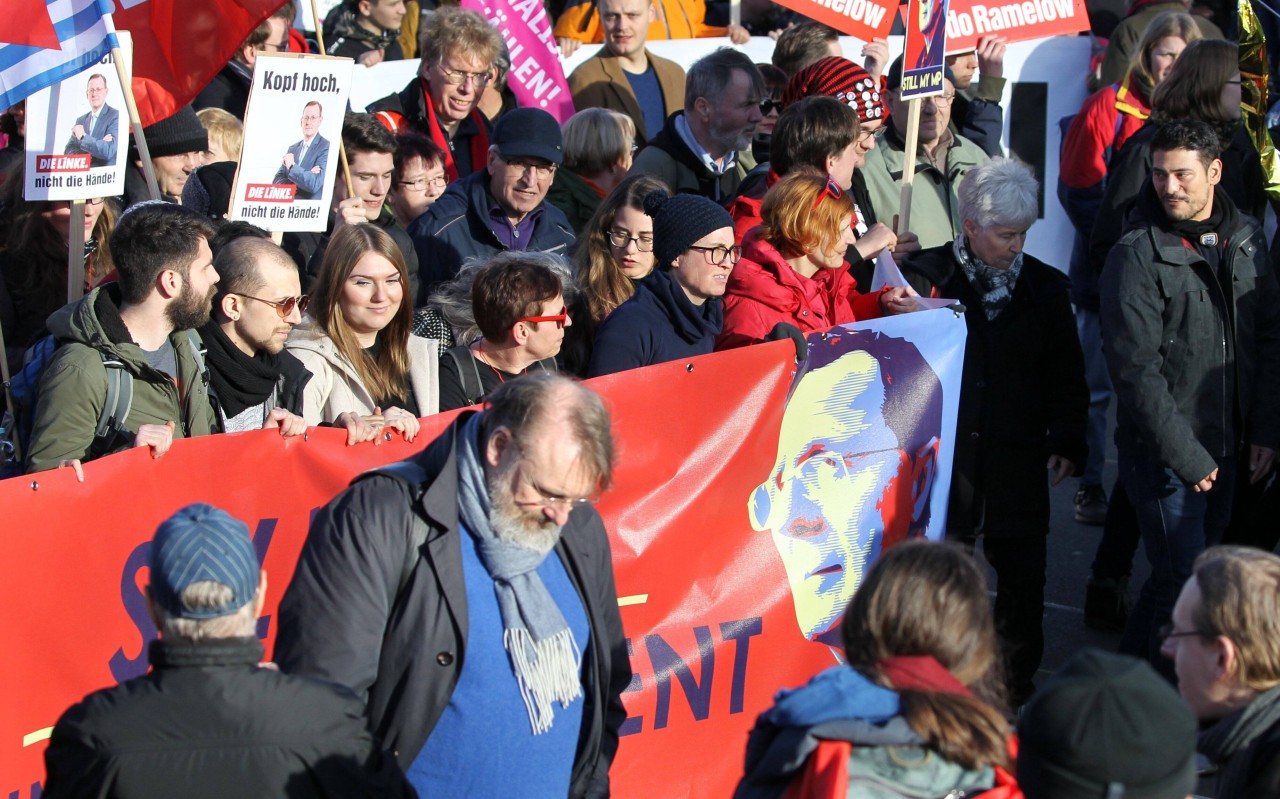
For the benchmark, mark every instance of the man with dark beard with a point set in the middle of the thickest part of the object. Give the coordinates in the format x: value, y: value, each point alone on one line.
x: 145, y: 325
x: 253, y: 383
x: 489, y: 668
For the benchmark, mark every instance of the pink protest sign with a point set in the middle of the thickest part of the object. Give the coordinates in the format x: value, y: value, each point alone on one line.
x: 536, y: 77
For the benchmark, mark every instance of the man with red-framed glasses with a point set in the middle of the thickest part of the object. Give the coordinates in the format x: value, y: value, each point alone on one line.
x: 518, y: 299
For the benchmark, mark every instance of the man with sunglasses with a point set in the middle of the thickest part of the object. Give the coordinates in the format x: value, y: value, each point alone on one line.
x: 520, y: 309
x: 253, y: 382
x: 459, y: 50
x: 467, y: 595
x: 501, y: 208
x: 229, y: 89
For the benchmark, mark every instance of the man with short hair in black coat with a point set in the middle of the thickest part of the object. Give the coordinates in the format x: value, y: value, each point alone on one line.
x: 209, y: 721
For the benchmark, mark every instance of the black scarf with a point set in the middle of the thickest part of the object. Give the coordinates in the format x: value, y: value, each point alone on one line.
x: 239, y: 382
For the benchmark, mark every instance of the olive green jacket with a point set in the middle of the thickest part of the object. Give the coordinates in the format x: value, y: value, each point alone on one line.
x: 73, y: 386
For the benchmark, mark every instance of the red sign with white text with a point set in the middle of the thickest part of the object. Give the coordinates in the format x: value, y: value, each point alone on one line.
x: 1015, y: 20
x: 721, y: 607
x: 863, y: 19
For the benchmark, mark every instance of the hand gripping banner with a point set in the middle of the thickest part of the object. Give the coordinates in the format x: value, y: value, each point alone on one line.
x: 748, y: 503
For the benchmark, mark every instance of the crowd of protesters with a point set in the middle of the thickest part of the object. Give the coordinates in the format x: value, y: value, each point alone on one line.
x: 486, y: 255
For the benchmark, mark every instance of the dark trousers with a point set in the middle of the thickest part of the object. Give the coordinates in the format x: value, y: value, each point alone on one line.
x: 1020, y: 565
x: 1177, y: 524
x: 1120, y: 538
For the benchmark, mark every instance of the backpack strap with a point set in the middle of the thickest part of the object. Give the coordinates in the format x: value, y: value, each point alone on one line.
x: 472, y: 388
x: 413, y: 477
x: 115, y: 410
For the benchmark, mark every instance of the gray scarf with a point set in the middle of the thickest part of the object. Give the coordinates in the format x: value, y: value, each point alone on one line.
x: 544, y: 656
x: 994, y: 286
x: 1225, y: 742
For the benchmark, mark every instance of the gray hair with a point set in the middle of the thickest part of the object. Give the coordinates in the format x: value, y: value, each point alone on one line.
x: 1001, y: 191
x: 523, y: 406
x: 711, y: 74
x: 209, y: 595
x: 453, y: 299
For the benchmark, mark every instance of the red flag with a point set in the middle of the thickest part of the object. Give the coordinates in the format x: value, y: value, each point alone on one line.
x: 179, y: 47
x: 38, y: 28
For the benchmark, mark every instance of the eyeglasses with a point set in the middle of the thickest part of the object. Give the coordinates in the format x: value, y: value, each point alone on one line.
x: 880, y: 133
x: 621, y: 239
x: 516, y: 167
x: 559, y: 318
x: 421, y: 184
x: 767, y: 106
x: 716, y: 256
x: 458, y: 77
x: 568, y: 502
x: 281, y: 47
x: 832, y: 190
x: 1166, y: 632
x: 942, y: 99
x: 283, y: 307
x: 822, y: 467
x: 874, y: 135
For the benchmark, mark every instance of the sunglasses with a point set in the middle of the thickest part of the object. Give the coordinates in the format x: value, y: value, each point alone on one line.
x: 832, y: 190
x: 559, y: 318
x: 283, y: 307
x: 767, y: 106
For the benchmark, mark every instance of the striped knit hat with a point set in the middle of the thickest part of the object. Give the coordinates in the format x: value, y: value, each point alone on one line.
x: 842, y: 79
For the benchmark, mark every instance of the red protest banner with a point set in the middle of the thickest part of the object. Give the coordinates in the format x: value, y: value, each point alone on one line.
x: 721, y: 603
x: 864, y: 19
x: 1016, y: 20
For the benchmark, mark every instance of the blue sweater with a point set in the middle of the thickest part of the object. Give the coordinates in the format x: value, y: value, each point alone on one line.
x: 658, y: 324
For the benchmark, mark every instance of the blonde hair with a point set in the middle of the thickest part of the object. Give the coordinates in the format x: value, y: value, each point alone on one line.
x: 1240, y: 599
x: 595, y: 139
x: 224, y: 130
x: 798, y: 219
x: 1170, y: 23
x: 388, y: 376
x: 458, y: 31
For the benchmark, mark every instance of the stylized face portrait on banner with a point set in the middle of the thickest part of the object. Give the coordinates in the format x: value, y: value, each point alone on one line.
x: 923, y: 56
x: 857, y: 461
x: 291, y: 128
x: 78, y: 136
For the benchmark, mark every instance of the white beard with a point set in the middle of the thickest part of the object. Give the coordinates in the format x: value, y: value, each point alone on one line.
x: 515, y: 526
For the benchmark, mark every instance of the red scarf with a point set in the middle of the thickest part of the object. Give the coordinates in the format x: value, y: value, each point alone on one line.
x: 479, y: 142
x: 920, y: 673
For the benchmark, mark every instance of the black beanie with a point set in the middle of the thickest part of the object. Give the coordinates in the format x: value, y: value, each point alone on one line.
x: 178, y: 134
x: 679, y: 221
x: 208, y: 190
x: 1106, y: 725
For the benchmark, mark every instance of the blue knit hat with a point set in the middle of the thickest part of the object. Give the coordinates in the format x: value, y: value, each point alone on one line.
x: 201, y: 542
x: 680, y: 221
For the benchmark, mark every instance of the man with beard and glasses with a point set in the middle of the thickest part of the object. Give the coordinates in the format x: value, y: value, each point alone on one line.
x: 144, y: 324
x: 467, y: 594
x: 1191, y: 331
x: 253, y: 383
x: 706, y: 148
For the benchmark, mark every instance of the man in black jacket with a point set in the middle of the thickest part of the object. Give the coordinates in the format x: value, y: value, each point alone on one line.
x: 490, y: 668
x: 502, y: 207
x: 253, y: 382
x: 208, y: 721
x: 1191, y: 334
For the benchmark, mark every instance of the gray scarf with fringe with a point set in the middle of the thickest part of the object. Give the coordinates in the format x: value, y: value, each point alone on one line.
x: 544, y: 655
x: 994, y: 286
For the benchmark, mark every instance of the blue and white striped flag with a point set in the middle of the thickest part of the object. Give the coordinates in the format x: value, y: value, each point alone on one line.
x: 84, y: 34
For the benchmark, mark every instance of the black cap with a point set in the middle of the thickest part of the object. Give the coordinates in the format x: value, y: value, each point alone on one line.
x: 529, y: 132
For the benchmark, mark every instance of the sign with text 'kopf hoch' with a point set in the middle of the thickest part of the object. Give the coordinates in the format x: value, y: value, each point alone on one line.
x: 292, y: 127
x: 747, y: 504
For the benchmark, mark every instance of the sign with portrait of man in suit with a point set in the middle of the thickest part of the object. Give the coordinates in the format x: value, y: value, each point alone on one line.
x: 291, y: 126
x: 77, y: 136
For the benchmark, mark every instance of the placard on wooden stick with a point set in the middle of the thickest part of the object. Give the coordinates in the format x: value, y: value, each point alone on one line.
x: 923, y: 68
x: 292, y: 127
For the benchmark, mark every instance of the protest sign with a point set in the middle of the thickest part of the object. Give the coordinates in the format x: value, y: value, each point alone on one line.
x: 536, y: 76
x: 865, y: 19
x: 292, y: 127
x: 924, y: 52
x: 1015, y: 20
x: 740, y: 522
x: 77, y: 135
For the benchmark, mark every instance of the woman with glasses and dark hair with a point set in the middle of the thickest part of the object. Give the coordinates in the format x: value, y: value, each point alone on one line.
x: 793, y: 269
x: 598, y: 147
x: 418, y: 177
x: 676, y: 311
x: 615, y: 250
x: 34, y: 236
x: 355, y: 340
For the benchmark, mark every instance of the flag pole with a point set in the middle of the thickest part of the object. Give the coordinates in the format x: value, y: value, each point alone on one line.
x: 6, y: 381
x: 342, y: 149
x: 909, y: 165
x: 135, y: 119
x: 75, y: 253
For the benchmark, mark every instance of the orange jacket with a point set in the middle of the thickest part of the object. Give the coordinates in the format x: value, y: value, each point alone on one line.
x: 677, y: 19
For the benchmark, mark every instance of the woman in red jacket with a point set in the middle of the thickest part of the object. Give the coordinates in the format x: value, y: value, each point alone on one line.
x: 793, y: 269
